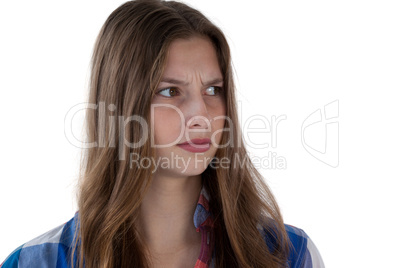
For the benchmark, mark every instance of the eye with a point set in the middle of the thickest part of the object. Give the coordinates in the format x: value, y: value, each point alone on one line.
x: 168, y: 92
x: 213, y: 90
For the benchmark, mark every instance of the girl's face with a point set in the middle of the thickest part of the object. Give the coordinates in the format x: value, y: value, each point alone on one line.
x: 188, y: 104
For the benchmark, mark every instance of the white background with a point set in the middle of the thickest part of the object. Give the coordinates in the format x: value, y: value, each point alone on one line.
x: 291, y: 58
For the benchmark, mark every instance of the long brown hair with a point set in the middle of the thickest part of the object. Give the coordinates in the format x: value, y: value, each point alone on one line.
x: 126, y: 67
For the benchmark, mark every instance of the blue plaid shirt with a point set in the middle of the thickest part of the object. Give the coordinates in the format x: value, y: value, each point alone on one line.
x: 52, y: 249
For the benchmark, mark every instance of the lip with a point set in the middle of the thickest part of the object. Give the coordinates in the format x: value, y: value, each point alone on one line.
x: 196, y: 145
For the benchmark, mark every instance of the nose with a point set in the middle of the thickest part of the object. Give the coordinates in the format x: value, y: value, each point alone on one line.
x: 196, y: 114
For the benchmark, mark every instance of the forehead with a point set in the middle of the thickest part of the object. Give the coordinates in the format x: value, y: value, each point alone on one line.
x: 195, y: 54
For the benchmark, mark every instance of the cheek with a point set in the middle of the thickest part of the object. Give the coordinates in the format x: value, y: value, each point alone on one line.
x: 219, y: 116
x: 219, y: 111
x: 166, y: 126
x: 218, y: 130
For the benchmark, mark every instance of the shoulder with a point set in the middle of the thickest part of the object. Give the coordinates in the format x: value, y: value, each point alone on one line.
x: 47, y: 250
x: 303, y: 252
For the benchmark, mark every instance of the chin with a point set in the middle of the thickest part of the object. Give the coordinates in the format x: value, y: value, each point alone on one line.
x: 180, y: 172
x: 184, y: 164
x: 191, y: 172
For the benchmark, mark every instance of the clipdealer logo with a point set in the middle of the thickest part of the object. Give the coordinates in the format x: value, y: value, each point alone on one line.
x: 320, y: 134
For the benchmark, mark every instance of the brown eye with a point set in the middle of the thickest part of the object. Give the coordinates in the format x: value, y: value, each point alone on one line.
x: 168, y: 92
x: 213, y: 90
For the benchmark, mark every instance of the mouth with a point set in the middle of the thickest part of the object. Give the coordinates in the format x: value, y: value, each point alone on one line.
x: 196, y: 145
x: 197, y: 142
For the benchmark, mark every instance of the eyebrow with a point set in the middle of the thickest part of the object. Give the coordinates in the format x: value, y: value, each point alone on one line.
x: 182, y: 83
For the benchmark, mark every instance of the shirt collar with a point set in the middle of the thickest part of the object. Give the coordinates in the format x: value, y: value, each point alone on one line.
x: 202, y: 212
x: 204, y: 224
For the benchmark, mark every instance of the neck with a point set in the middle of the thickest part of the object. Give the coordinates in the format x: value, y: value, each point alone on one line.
x: 167, y: 213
